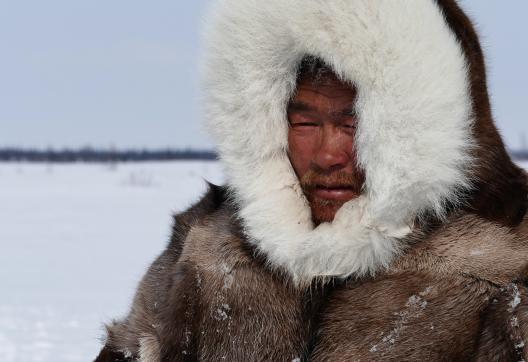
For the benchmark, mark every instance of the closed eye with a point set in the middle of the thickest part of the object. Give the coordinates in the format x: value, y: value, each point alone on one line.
x: 304, y: 124
x: 351, y: 113
x: 349, y: 127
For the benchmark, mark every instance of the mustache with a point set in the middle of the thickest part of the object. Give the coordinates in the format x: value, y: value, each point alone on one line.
x: 339, y: 179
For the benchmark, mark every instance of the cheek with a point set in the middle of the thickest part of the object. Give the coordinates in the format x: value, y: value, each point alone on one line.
x: 300, y: 150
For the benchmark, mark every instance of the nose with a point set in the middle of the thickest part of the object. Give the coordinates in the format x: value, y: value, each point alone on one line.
x: 334, y: 150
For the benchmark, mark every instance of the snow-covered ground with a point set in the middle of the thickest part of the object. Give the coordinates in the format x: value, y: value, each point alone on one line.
x: 75, y: 239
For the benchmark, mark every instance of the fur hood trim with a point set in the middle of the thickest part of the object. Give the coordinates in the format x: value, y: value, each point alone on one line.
x: 414, y: 136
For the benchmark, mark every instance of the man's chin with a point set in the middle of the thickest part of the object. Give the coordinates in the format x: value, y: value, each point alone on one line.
x: 324, y: 212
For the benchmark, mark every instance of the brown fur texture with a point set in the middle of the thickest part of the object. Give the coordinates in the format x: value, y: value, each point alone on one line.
x: 457, y: 294
x: 216, y: 302
x: 500, y: 187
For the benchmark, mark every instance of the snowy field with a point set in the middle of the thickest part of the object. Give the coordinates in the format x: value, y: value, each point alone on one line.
x: 75, y: 241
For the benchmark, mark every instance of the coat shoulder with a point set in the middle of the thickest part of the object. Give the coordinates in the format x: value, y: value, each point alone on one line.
x: 214, y: 199
x: 136, y: 334
x: 470, y: 246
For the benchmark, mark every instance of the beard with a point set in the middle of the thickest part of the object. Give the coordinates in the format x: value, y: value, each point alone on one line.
x: 323, y: 209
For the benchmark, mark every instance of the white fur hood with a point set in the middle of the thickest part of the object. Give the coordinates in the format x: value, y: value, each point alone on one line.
x: 414, y: 136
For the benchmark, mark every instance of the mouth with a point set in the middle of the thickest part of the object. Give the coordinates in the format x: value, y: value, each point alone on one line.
x: 335, y: 192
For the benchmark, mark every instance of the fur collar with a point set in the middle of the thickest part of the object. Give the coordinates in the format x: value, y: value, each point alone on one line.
x: 414, y: 137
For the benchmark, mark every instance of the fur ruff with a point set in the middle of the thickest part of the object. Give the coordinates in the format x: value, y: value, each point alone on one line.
x: 414, y: 137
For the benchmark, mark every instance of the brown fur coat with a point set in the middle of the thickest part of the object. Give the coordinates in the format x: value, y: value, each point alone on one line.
x: 456, y: 295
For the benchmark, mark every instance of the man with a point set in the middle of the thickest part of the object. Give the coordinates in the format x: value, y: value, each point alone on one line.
x: 321, y: 138
x: 371, y: 210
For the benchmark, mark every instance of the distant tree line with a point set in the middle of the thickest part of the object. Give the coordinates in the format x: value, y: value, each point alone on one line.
x: 88, y: 154
x: 97, y: 155
x: 519, y: 155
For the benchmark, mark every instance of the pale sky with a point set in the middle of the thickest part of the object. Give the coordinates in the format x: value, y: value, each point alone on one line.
x: 125, y: 73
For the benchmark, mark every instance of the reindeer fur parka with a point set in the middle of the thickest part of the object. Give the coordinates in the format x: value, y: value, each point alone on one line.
x: 429, y: 263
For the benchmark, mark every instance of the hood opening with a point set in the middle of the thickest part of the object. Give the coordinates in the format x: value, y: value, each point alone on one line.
x: 425, y: 138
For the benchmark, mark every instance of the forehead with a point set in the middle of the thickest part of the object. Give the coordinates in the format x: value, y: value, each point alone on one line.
x: 320, y: 90
x: 316, y: 78
x: 324, y: 88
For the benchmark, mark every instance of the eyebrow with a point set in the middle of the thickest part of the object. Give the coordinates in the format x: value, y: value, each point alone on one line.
x: 300, y: 106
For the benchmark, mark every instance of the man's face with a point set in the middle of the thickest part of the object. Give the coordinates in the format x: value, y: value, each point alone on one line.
x: 321, y: 144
